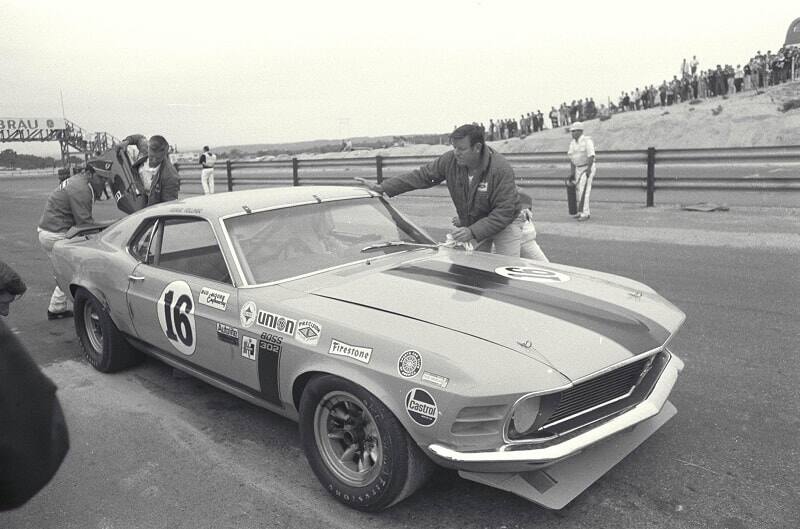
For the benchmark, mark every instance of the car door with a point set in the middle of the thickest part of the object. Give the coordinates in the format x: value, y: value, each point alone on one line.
x: 180, y: 296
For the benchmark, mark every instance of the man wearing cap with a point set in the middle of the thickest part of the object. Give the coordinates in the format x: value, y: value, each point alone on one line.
x: 70, y: 204
x: 159, y: 177
x: 582, y: 168
x: 481, y: 185
x: 207, y: 161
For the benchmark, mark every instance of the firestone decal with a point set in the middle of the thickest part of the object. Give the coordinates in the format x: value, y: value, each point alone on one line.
x: 421, y: 407
x: 249, y: 345
x: 216, y: 299
x: 361, y: 354
x: 276, y: 322
x: 530, y: 273
x: 409, y: 363
x: 247, y: 317
x: 175, y: 310
x: 308, y: 332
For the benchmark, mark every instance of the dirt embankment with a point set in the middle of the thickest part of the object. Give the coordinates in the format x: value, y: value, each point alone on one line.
x: 746, y: 119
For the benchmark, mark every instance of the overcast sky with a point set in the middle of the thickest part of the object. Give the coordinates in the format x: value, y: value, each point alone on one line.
x: 230, y: 72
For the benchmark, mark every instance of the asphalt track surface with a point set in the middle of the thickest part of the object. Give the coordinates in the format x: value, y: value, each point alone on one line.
x: 151, y: 449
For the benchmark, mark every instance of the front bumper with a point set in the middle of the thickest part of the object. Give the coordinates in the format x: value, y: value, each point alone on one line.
x: 519, y: 458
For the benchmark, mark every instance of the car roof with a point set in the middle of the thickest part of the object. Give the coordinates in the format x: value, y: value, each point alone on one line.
x: 223, y: 204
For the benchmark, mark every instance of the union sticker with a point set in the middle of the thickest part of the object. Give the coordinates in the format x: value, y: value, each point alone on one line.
x: 276, y: 322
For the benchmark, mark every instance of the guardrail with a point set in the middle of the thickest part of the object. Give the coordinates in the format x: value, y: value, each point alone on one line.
x: 301, y: 171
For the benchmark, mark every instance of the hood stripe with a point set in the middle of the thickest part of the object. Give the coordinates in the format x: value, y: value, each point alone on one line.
x: 631, y: 330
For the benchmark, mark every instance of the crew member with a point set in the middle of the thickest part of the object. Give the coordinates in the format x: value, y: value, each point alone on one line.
x: 481, y: 185
x: 70, y: 204
x: 159, y: 177
x: 207, y: 161
x: 582, y: 168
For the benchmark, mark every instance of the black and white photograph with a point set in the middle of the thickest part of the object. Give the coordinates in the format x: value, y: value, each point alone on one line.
x: 447, y: 264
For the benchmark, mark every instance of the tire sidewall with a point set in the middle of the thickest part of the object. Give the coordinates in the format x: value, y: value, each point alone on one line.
x: 102, y: 360
x: 388, y: 484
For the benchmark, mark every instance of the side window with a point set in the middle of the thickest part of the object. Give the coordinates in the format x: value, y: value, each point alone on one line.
x: 140, y: 246
x: 189, y: 246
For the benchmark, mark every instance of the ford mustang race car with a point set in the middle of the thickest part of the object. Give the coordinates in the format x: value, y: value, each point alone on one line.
x: 394, y: 353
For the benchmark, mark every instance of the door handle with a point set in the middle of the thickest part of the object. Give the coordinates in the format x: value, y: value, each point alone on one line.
x: 135, y: 278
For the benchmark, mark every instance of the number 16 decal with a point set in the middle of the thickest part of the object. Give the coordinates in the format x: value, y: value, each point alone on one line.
x: 176, y: 316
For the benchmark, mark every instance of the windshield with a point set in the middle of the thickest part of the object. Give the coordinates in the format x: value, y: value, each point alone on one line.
x: 293, y: 241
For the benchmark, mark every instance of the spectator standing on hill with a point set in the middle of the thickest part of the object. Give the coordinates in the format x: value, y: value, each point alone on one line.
x: 482, y: 187
x: 207, y: 161
x: 738, y: 78
x: 70, y: 204
x: 582, y: 168
x: 159, y: 177
x: 553, y: 117
x: 694, y: 64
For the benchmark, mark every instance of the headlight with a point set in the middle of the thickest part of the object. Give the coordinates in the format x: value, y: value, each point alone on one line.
x: 523, y: 416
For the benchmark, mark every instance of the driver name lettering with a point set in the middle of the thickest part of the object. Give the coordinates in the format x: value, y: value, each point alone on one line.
x: 276, y: 322
x: 361, y: 354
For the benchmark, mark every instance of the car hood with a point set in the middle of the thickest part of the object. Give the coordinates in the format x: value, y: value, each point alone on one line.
x: 575, y: 320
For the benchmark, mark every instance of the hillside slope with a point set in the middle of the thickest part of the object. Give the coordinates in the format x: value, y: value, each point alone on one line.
x: 747, y: 119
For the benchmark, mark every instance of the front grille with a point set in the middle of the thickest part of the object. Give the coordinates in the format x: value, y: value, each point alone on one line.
x: 594, y: 400
x: 597, y: 391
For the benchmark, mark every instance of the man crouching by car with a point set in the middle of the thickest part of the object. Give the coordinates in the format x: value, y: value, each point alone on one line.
x: 70, y: 204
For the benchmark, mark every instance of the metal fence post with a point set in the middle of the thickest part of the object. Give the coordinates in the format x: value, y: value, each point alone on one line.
x: 295, y: 171
x: 230, y: 174
x: 651, y: 175
x: 379, y: 168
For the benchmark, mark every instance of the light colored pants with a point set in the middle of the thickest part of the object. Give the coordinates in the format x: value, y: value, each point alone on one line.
x: 207, y: 179
x: 58, y: 301
x: 583, y: 187
x: 529, y: 248
x: 507, y: 242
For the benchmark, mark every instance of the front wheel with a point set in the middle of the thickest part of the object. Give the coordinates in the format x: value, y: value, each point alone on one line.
x: 103, y: 345
x: 357, y: 448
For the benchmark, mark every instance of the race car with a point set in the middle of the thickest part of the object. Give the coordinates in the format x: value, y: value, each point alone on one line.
x: 393, y: 352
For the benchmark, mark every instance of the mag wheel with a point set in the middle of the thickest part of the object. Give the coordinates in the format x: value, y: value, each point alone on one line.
x: 103, y: 345
x: 357, y: 448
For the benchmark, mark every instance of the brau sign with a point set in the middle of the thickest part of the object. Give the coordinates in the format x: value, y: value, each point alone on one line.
x: 14, y: 124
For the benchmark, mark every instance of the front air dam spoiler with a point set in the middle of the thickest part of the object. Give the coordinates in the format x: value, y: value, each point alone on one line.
x: 557, y: 485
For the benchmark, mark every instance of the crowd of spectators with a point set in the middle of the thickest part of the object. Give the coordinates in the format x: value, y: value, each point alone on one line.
x: 690, y: 83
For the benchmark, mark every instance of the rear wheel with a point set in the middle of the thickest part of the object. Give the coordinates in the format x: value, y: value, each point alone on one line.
x: 103, y: 345
x: 357, y: 448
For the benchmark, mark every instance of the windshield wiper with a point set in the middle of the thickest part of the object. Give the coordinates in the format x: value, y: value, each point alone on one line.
x: 389, y: 244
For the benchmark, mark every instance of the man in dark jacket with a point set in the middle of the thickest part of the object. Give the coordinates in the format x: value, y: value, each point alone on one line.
x: 159, y: 177
x: 482, y: 187
x: 33, y: 434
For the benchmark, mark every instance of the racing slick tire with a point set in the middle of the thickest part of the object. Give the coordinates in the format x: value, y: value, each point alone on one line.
x: 102, y: 343
x: 357, y: 448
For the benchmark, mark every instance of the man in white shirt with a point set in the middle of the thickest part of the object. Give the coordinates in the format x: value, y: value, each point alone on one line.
x: 582, y: 168
x: 207, y: 161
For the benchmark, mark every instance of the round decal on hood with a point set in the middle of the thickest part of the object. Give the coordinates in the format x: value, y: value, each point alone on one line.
x: 421, y: 407
x: 409, y: 364
x: 530, y: 273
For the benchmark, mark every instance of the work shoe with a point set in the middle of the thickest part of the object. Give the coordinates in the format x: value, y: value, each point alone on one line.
x: 583, y: 217
x: 59, y: 315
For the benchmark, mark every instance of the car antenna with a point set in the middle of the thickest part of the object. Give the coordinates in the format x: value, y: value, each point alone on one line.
x: 246, y: 209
